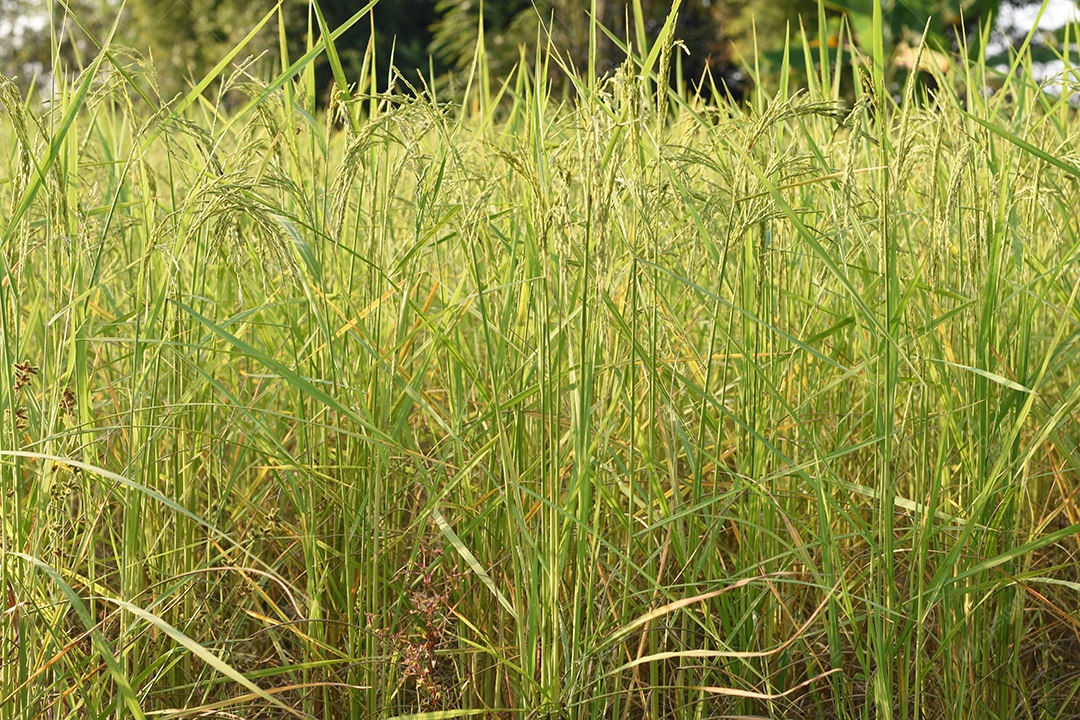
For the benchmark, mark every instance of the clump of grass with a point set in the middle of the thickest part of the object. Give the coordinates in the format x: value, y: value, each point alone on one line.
x: 635, y: 405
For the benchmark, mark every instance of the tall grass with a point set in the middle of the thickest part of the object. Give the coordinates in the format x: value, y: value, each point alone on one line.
x: 630, y: 404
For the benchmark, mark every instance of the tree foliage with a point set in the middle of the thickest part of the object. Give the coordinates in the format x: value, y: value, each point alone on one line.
x: 425, y: 38
x: 511, y: 25
x: 402, y: 36
x: 185, y: 39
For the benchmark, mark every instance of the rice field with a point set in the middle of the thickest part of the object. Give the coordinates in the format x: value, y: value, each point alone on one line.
x: 601, y: 401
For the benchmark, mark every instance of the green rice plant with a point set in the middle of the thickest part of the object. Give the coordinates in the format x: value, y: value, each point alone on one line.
x: 641, y: 405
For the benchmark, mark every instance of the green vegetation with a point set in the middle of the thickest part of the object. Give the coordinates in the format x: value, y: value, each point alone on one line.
x: 642, y: 405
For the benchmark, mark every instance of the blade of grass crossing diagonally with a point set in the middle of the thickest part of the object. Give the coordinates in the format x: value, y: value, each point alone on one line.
x: 294, y: 69
x: 1011, y: 554
x: 205, y: 655
x: 123, y: 684
x: 471, y: 561
x: 335, y: 62
x: 992, y: 377
x: 126, y: 691
x: 215, y: 71
x: 1026, y: 146
x: 124, y: 481
x: 294, y: 378
x: 1020, y: 56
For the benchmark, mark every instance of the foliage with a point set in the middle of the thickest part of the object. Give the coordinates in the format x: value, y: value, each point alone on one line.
x: 29, y: 42
x: 632, y: 404
x: 711, y: 32
x: 905, y: 21
x: 402, y: 35
x: 185, y: 39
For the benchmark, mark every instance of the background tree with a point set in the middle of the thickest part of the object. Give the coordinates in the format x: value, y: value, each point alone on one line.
x: 402, y: 33
x: 185, y: 39
x: 717, y: 34
x: 27, y: 36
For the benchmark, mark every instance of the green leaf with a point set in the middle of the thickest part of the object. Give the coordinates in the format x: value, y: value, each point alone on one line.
x: 205, y: 655
x: 1026, y: 146
x: 471, y: 560
x: 992, y: 377
x: 131, y: 701
x: 73, y: 108
x: 291, y: 376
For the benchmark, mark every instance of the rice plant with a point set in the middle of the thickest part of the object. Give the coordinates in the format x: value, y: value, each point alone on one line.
x: 624, y: 403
